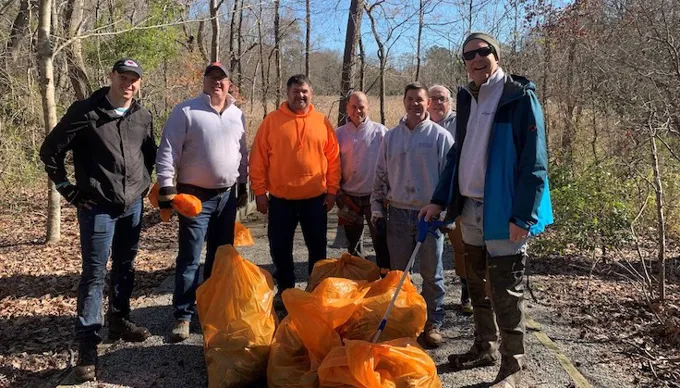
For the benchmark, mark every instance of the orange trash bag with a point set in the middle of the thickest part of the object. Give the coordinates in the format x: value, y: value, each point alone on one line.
x: 185, y: 204
x: 396, y: 363
x: 318, y: 314
x: 242, y: 236
x: 235, y: 310
x: 347, y: 266
x: 407, y: 317
x: 289, y: 365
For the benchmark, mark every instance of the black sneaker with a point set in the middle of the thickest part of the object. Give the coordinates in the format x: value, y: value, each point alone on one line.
x: 123, y: 328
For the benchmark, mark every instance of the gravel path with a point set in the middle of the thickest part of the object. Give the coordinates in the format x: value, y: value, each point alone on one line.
x: 157, y: 363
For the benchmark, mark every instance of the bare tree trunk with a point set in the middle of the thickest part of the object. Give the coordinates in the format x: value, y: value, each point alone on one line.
x: 239, y: 51
x: 20, y: 26
x: 356, y: 9
x: 383, y: 63
x: 74, y: 53
x: 418, y: 41
x: 53, y: 227
x: 277, y: 49
x: 232, y: 37
x: 658, y: 188
x: 265, y: 76
x: 215, y: 21
x: 201, y: 42
x: 308, y: 22
x: 362, y: 65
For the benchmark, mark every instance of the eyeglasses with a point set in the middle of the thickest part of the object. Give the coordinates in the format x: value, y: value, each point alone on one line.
x: 482, y: 51
x: 440, y: 99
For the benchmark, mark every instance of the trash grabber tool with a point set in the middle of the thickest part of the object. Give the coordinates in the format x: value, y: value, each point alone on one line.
x: 424, y: 228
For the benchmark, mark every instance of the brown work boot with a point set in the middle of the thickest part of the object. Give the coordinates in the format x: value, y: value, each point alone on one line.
x: 180, y: 332
x: 87, y: 362
x: 509, y: 375
x: 432, y: 336
x: 478, y: 356
x: 121, y: 327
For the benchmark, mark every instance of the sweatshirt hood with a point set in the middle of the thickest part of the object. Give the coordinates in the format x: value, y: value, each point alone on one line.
x: 286, y: 110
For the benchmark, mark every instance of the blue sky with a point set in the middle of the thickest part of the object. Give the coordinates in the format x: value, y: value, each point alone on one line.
x: 446, y: 22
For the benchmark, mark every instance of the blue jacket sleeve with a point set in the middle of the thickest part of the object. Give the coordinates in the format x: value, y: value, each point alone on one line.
x: 442, y: 194
x: 532, y: 164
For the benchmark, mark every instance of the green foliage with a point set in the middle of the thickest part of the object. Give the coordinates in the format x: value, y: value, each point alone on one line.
x: 592, y: 210
x: 148, y: 45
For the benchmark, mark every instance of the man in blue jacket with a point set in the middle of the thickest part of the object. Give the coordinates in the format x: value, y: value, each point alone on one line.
x: 496, y: 180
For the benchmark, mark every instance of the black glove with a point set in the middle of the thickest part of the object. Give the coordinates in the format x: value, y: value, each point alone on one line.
x: 242, y: 193
x: 165, y: 197
x: 75, y: 196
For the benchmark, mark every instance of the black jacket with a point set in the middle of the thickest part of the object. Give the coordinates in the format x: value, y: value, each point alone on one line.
x: 113, y: 156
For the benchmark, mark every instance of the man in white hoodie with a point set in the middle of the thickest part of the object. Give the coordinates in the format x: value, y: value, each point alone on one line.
x: 410, y: 161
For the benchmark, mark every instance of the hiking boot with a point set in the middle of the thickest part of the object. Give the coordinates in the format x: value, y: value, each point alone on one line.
x: 509, y: 375
x: 432, y: 336
x: 474, y: 358
x: 87, y: 361
x: 466, y: 307
x: 180, y: 332
x: 123, y: 328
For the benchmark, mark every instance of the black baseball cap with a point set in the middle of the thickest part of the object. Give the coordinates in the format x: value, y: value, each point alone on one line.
x: 127, y: 64
x: 216, y: 65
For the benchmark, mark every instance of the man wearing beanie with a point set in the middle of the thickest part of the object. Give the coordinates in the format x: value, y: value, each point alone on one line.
x: 111, y: 138
x: 203, y: 153
x: 496, y: 180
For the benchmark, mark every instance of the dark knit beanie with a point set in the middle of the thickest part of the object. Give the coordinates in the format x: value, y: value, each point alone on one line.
x: 486, y: 38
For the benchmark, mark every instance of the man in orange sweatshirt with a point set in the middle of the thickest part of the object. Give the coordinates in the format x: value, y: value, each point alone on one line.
x: 295, y: 158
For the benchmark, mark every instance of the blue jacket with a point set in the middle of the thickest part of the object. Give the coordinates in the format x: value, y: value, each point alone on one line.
x: 516, y: 183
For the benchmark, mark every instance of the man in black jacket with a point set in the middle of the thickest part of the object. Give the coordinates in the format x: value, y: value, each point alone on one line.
x: 111, y: 137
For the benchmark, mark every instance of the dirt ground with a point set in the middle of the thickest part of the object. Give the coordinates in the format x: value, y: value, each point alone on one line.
x: 591, y: 312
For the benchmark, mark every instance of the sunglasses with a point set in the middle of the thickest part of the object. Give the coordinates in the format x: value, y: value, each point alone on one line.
x: 482, y: 51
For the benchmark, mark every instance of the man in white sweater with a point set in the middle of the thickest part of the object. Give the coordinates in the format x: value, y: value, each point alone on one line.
x: 359, y: 140
x: 410, y: 161
x: 204, y: 146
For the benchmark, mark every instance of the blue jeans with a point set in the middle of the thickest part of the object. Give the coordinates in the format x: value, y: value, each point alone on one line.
x: 472, y: 226
x: 215, y: 224
x: 402, y: 231
x: 105, y: 232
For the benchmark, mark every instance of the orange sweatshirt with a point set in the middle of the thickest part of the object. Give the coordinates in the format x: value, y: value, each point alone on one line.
x: 295, y: 156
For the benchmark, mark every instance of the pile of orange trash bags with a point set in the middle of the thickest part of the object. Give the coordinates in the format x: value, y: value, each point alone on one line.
x: 325, y: 339
x: 235, y: 310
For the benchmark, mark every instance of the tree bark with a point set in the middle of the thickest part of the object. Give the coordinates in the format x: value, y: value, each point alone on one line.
x: 383, y: 63
x: 265, y: 75
x: 419, y: 39
x: 215, y: 22
x: 308, y: 23
x: 53, y: 226
x: 74, y: 52
x: 20, y: 26
x: 362, y: 65
x: 658, y: 188
x: 232, y: 38
x: 277, y: 49
x: 239, y: 50
x: 352, y: 37
x: 201, y: 42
